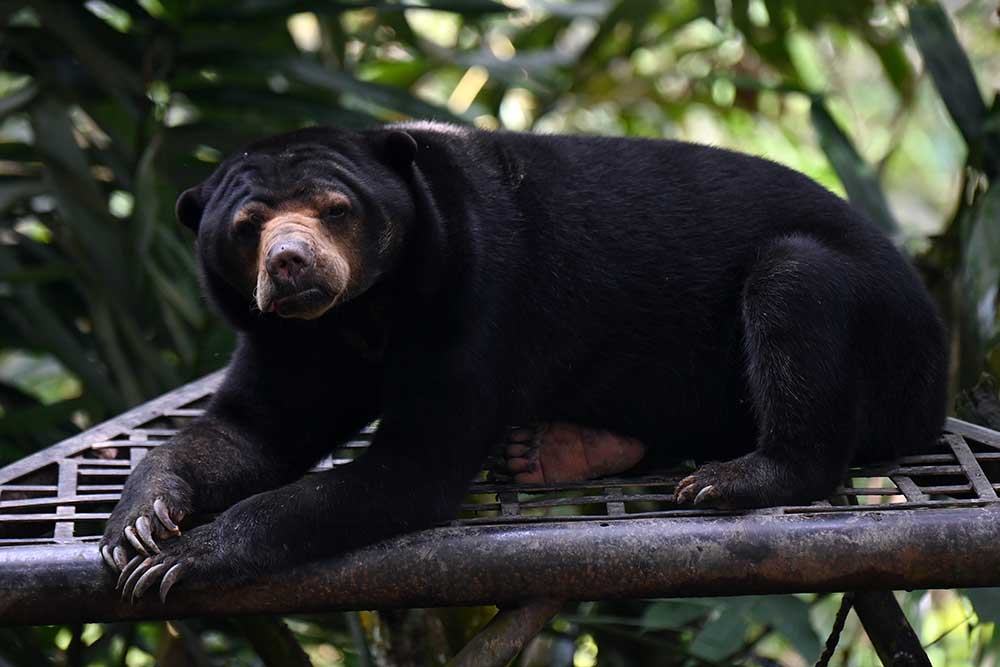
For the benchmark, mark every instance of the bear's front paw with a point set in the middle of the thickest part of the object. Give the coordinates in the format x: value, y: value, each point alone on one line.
x: 198, y: 553
x: 140, y: 519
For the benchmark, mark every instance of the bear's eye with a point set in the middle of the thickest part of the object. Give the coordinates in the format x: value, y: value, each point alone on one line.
x: 248, y: 226
x: 337, y: 211
x: 246, y: 231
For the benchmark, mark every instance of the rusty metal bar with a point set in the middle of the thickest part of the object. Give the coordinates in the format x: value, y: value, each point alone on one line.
x: 506, y: 635
x: 816, y: 508
x: 909, y: 488
x: 70, y: 499
x: 611, y: 559
x: 63, y: 530
x: 895, y: 642
x: 113, y: 427
x: 972, y: 431
x: 980, y: 482
x: 137, y: 450
x: 615, y: 501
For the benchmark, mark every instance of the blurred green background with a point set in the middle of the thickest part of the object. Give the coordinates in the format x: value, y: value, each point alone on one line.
x: 109, y: 109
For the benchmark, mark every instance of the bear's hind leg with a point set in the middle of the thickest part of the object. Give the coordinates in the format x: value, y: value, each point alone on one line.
x: 563, y: 452
x: 801, y: 369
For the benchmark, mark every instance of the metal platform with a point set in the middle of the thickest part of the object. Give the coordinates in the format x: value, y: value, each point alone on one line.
x: 920, y: 522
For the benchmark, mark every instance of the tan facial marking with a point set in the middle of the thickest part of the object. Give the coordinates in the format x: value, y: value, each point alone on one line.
x: 333, y: 244
x: 315, y: 207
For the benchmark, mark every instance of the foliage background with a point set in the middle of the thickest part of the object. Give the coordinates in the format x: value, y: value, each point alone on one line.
x: 109, y: 109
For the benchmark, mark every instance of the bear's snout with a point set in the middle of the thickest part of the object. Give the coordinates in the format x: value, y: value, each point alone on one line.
x: 301, y: 269
x: 287, y: 259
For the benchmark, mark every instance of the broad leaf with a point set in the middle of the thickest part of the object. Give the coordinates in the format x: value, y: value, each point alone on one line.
x: 859, y: 178
x: 951, y: 71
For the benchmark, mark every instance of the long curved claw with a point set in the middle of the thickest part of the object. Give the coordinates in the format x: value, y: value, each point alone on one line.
x: 108, y: 557
x: 169, y: 579
x: 135, y: 541
x: 127, y: 570
x: 145, y: 531
x: 134, y: 578
x: 707, y: 494
x: 160, y: 509
x: 146, y: 580
x: 121, y: 557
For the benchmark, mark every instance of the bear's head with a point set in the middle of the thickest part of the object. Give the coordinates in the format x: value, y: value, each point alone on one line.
x: 294, y: 225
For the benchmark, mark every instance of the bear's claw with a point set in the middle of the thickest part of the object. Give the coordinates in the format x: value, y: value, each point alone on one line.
x: 134, y: 540
x: 202, y: 553
x: 160, y: 509
x: 145, y: 581
x: 175, y: 572
x: 133, y: 577
x: 144, y: 529
x: 707, y: 494
x: 108, y: 557
x: 128, y: 569
x: 140, y: 535
x: 695, y: 489
x: 141, y: 574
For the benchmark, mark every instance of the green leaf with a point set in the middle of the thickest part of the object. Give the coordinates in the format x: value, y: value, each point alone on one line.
x: 723, y: 635
x: 674, y: 614
x: 625, y: 17
x: 768, y: 41
x: 17, y: 100
x: 21, y: 648
x: 113, y: 351
x: 271, y: 8
x: 35, y: 320
x: 272, y: 641
x: 709, y: 10
x: 859, y: 178
x: 154, y: 372
x: 87, y: 224
x: 986, y: 602
x: 28, y: 420
x: 185, y: 304
x: 13, y: 190
x: 895, y: 64
x: 254, y: 106
x: 183, y: 342
x: 789, y: 616
x: 952, y: 74
x: 980, y: 277
x: 215, y: 42
x: 90, y: 38
x: 14, y: 151
x: 394, y: 99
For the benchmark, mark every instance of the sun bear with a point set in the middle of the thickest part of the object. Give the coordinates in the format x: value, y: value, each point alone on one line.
x: 641, y: 299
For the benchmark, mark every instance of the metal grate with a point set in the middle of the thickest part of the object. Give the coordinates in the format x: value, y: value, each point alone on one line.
x: 64, y: 494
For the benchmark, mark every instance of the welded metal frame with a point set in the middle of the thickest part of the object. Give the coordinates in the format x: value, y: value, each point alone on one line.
x: 924, y: 521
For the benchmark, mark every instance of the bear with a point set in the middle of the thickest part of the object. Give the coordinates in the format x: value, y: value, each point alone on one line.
x: 646, y: 299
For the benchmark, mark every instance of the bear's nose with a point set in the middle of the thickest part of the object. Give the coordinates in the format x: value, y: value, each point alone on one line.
x: 286, y: 259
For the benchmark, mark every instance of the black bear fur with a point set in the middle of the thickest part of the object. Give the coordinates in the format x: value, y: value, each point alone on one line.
x: 714, y: 305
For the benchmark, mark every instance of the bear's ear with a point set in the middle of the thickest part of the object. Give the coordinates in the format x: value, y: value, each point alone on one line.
x: 190, y: 206
x: 397, y: 148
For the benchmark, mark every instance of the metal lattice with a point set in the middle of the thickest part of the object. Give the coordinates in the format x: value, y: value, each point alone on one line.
x: 64, y: 494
